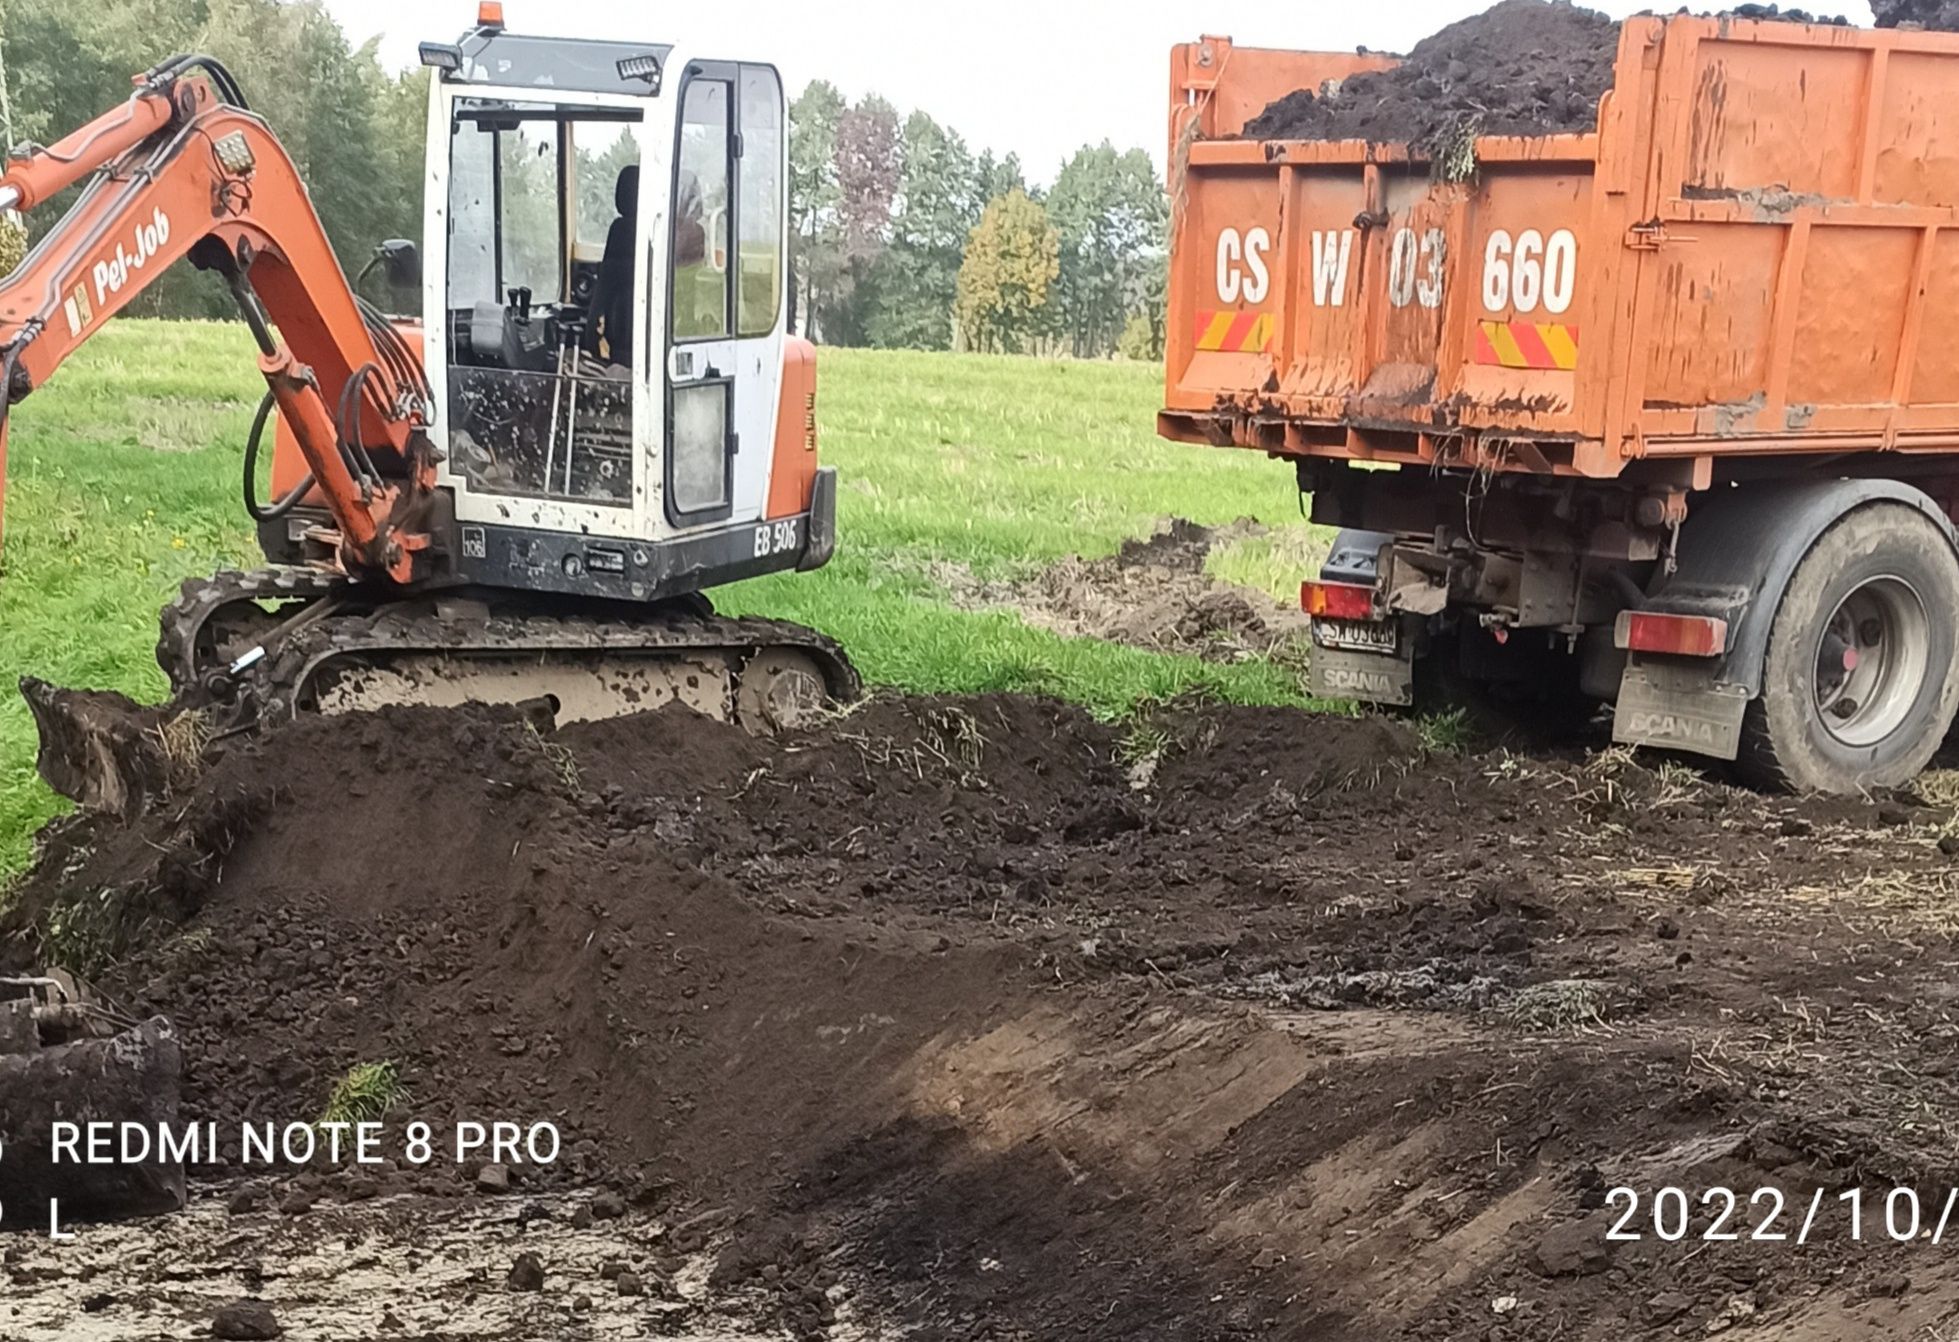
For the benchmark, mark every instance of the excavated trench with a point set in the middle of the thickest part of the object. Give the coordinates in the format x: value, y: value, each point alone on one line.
x: 979, y: 1018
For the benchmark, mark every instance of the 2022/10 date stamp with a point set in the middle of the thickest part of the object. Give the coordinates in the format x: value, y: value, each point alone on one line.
x: 1769, y: 1215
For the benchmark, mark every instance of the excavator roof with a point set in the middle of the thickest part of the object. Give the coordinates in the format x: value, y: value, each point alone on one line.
x: 567, y: 64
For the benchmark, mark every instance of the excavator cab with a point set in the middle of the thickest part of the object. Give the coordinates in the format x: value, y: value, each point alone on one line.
x: 619, y: 409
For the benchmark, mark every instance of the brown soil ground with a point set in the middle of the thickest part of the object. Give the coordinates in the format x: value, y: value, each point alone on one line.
x: 1522, y: 67
x: 1152, y: 593
x: 1000, y: 1022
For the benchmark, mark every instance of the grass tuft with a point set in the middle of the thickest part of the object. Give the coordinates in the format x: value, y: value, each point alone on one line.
x: 1446, y: 733
x: 83, y: 931
x: 561, y: 757
x: 365, y: 1094
x: 1143, y: 741
x: 1563, y: 1006
x: 1452, y: 154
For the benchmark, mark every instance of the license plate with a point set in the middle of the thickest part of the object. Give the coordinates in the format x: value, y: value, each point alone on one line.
x: 1358, y: 635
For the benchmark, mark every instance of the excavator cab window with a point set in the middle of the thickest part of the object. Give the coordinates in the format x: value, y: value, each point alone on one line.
x: 540, y: 401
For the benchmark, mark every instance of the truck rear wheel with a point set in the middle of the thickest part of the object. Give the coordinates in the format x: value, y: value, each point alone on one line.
x: 1861, y: 679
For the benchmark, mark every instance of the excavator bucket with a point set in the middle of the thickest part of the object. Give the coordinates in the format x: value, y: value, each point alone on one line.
x: 65, y: 1059
x: 104, y: 751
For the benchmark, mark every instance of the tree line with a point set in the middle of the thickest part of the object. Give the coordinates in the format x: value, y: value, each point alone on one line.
x: 903, y: 235
x: 354, y: 130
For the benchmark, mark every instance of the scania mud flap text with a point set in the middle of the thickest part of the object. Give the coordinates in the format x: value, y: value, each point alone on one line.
x: 1373, y: 676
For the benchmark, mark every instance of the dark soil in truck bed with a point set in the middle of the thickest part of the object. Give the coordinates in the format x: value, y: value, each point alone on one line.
x: 995, y: 1021
x: 1940, y: 15
x: 1522, y: 67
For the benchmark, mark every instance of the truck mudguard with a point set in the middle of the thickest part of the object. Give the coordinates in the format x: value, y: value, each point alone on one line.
x: 1740, y: 547
x: 1355, y: 556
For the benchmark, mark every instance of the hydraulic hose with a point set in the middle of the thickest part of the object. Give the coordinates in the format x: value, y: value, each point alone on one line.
x: 7, y: 362
x: 285, y: 505
x: 221, y: 78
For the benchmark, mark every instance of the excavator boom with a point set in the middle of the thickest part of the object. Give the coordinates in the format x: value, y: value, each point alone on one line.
x: 184, y: 169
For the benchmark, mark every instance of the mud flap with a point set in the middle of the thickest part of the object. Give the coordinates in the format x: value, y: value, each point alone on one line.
x: 1679, y: 706
x: 822, y: 535
x: 1371, y: 677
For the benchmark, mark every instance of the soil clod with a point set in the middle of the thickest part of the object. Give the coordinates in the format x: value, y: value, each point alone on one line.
x: 1574, y: 1249
x: 526, y: 1273
x: 1937, y: 15
x: 247, y: 1321
x: 1521, y: 67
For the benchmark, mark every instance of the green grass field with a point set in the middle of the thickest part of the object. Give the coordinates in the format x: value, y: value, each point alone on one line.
x: 124, y: 479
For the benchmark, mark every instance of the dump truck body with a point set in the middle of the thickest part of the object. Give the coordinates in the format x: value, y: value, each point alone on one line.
x: 1737, y: 263
x: 1574, y: 348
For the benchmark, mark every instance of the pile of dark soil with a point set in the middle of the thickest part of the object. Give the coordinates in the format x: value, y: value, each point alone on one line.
x: 1939, y: 15
x: 1224, y: 1023
x: 1522, y: 67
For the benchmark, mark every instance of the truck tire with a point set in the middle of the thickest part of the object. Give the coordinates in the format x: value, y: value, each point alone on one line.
x: 1861, y: 678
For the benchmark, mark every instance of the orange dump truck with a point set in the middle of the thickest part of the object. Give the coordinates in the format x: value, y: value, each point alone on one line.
x: 1663, y: 415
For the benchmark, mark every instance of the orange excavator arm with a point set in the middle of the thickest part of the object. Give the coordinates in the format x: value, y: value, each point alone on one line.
x: 183, y: 169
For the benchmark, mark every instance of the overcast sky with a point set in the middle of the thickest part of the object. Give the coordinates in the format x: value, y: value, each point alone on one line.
x: 1036, y: 77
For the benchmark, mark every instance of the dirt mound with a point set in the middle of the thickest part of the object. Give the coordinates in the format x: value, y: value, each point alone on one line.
x: 999, y: 1021
x: 1522, y: 67
x: 1152, y: 593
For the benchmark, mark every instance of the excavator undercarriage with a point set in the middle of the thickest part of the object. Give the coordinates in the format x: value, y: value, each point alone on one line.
x: 246, y: 649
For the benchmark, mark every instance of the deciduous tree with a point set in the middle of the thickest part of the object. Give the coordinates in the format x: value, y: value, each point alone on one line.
x: 1012, y: 260
x: 916, y: 280
x: 1111, y: 212
x: 816, y: 249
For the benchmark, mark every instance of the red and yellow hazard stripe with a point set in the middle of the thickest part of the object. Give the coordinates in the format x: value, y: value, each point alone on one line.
x: 1234, y: 332
x: 1542, y: 345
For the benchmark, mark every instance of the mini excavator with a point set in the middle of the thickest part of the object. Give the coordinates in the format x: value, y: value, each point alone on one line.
x: 523, y: 494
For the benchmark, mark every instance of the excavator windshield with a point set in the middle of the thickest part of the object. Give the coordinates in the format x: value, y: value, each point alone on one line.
x: 540, y: 281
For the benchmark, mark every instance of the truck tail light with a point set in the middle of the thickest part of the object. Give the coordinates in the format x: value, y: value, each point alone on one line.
x: 1678, y: 635
x: 1337, y: 600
